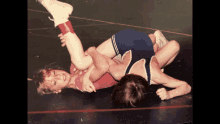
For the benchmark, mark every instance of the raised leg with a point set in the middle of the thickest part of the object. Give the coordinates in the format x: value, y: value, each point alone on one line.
x: 106, y: 48
x: 167, y: 53
x: 60, y: 12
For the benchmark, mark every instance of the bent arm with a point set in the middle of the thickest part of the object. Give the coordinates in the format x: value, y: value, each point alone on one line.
x: 100, y: 63
x: 77, y: 55
x: 181, y: 87
x: 180, y: 90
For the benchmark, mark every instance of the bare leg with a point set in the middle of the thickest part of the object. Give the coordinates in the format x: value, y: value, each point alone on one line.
x: 60, y: 12
x: 156, y: 46
x: 106, y: 48
x: 167, y: 53
x: 73, y: 43
x: 77, y: 54
x: 171, y: 60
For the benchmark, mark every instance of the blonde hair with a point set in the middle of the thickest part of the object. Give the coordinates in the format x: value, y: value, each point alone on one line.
x: 39, y: 78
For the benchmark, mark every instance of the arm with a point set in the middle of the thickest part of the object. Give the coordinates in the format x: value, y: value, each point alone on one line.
x: 96, y: 70
x: 76, y: 51
x: 75, y: 48
x: 101, y: 65
x: 181, y: 87
x: 87, y: 85
x: 117, y: 70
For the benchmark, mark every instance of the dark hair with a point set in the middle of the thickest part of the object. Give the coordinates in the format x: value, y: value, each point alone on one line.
x: 130, y: 91
x: 40, y: 75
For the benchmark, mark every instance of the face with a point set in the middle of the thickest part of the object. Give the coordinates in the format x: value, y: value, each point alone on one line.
x: 57, y: 79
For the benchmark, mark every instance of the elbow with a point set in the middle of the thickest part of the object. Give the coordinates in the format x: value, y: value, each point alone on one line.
x: 79, y: 65
x: 188, y: 88
x: 117, y: 76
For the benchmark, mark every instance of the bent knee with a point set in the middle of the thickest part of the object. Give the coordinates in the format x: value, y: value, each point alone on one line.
x: 175, y: 45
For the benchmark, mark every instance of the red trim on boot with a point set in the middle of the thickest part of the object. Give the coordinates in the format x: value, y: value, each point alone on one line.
x: 66, y: 27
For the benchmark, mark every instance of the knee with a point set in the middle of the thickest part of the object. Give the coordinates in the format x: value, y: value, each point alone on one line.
x: 175, y: 45
x: 80, y: 65
x: 117, y: 75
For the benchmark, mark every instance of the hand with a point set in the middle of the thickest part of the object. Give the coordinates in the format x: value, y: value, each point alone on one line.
x: 163, y: 94
x: 63, y: 39
x: 87, y: 85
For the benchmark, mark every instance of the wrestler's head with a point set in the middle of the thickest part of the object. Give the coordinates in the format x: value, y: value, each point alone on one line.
x: 130, y: 91
x: 51, y: 80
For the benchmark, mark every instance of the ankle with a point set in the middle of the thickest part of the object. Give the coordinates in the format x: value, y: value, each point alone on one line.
x: 66, y: 27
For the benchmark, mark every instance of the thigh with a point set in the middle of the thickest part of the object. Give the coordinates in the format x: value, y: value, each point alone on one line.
x: 106, y: 48
x: 167, y: 52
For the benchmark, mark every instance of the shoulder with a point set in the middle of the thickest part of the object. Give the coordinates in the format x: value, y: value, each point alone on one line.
x: 138, y: 68
x: 119, y: 68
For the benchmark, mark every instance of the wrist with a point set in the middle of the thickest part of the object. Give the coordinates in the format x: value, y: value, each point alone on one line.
x: 170, y: 94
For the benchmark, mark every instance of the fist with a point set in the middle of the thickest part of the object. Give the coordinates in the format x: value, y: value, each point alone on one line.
x: 163, y: 94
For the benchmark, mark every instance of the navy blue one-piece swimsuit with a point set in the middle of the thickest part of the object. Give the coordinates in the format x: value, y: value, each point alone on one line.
x: 138, y: 42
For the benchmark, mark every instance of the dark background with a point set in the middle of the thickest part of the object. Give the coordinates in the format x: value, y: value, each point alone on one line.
x: 44, y: 48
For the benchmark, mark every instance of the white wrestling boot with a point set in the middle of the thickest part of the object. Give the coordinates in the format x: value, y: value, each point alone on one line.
x: 59, y: 10
x: 160, y: 39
